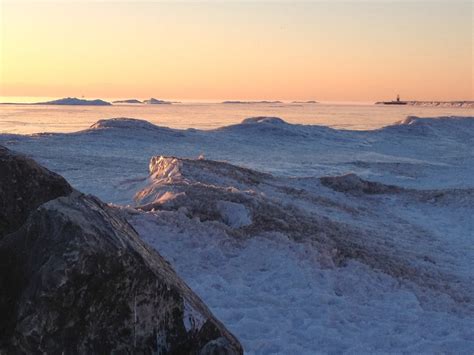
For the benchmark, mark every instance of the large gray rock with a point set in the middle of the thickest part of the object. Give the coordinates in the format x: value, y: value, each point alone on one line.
x: 76, y: 278
x: 24, y: 185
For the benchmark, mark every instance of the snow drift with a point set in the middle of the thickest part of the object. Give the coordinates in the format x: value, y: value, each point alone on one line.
x: 301, y: 239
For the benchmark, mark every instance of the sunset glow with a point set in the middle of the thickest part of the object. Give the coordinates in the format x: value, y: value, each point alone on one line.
x: 249, y: 50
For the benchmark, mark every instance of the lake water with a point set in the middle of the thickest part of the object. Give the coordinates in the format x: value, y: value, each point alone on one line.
x: 27, y: 119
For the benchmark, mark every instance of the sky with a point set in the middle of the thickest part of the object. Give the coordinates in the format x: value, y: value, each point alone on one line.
x: 250, y: 50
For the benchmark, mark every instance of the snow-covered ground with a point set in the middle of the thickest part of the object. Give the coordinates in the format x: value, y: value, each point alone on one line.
x: 286, y: 241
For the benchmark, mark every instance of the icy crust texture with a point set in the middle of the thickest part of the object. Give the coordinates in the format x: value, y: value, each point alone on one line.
x: 301, y: 239
x: 337, y: 240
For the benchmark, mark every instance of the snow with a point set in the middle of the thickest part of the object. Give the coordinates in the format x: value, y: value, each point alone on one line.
x: 122, y: 123
x: 235, y: 215
x: 256, y: 120
x: 289, y: 262
x: 275, y: 296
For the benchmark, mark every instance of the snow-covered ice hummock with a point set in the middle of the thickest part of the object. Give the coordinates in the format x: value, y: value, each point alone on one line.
x: 300, y: 239
x: 314, y: 265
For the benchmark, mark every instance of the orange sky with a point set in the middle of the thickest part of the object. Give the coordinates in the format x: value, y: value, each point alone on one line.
x: 250, y: 50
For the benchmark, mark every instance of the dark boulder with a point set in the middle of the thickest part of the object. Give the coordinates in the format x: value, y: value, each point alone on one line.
x: 24, y: 185
x: 76, y: 278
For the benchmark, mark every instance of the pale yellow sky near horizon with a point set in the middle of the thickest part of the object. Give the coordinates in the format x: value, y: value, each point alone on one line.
x: 359, y: 50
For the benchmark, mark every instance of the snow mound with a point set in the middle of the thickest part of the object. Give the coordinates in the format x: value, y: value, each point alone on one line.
x: 209, y: 190
x: 130, y: 127
x: 169, y: 173
x: 410, y: 120
x: 265, y: 128
x: 442, y: 123
x: 264, y: 119
x: 442, y: 129
x: 123, y: 123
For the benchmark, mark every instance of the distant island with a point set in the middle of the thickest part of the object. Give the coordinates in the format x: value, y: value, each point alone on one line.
x: 151, y: 101
x: 129, y: 101
x: 305, y: 102
x: 154, y: 101
x: 251, y: 102
x: 75, y: 101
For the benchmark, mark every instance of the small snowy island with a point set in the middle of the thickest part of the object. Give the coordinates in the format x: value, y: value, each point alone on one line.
x: 154, y: 101
x: 251, y: 102
x: 128, y: 101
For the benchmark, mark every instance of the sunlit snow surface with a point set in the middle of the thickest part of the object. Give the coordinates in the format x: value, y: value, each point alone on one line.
x: 405, y: 281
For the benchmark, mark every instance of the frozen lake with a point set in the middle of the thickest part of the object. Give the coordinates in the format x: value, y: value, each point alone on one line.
x: 26, y: 119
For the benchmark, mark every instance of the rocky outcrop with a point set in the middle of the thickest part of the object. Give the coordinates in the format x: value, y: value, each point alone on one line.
x: 351, y: 183
x: 76, y: 278
x: 24, y: 185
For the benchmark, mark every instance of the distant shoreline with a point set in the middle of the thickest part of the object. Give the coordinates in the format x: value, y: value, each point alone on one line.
x: 120, y: 102
x: 460, y: 104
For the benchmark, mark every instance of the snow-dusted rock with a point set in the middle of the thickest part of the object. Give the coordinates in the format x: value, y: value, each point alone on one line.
x: 351, y: 183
